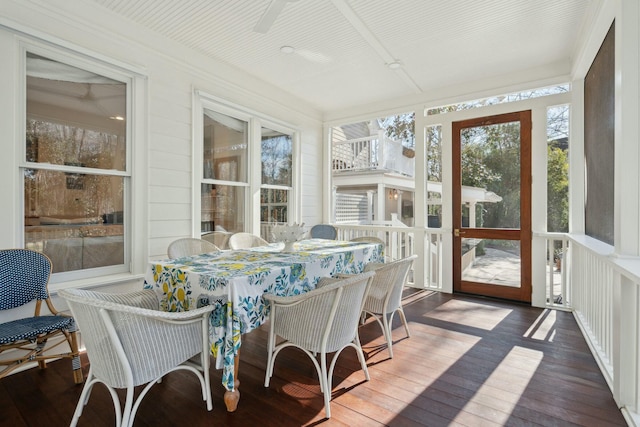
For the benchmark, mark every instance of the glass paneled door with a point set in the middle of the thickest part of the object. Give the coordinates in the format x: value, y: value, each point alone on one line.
x: 492, y: 206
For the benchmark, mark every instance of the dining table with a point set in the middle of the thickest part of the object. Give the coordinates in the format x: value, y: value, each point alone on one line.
x: 234, y: 281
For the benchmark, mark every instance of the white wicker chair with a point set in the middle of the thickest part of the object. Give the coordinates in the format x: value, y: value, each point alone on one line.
x: 385, y: 295
x: 218, y: 238
x: 320, y: 321
x: 130, y: 342
x: 245, y: 241
x: 368, y: 239
x: 190, y: 246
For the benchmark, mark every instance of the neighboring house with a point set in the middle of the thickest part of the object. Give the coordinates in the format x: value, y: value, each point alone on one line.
x: 374, y: 176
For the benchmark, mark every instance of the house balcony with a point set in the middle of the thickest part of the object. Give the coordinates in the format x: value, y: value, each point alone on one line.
x: 377, y: 153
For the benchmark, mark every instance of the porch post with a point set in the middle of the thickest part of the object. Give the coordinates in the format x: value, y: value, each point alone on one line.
x: 379, y: 212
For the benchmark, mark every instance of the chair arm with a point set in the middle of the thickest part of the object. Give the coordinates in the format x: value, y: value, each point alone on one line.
x: 161, y: 315
x: 334, y: 283
x: 296, y: 299
x: 373, y: 266
x: 155, y: 342
x: 145, y: 298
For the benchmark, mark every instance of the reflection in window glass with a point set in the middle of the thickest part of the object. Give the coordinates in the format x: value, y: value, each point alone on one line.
x: 222, y: 208
x: 225, y: 147
x: 75, y: 219
x: 277, y: 170
x: 273, y: 205
x: 75, y: 119
x: 276, y: 158
x: 224, y: 172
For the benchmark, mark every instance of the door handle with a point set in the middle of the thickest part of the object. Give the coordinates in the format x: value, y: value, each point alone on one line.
x: 458, y: 233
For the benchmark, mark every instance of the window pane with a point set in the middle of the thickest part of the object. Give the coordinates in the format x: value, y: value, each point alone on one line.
x: 501, y: 99
x: 558, y: 169
x: 222, y: 208
x: 273, y: 205
x: 276, y: 158
x: 225, y: 147
x: 491, y: 176
x: 74, y: 117
x: 434, y: 176
x: 75, y: 219
x: 491, y: 261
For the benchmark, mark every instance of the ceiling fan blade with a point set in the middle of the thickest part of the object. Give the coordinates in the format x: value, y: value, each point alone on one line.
x: 269, y: 16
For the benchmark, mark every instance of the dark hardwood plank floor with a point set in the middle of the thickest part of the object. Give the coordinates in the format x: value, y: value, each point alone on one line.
x: 469, y: 362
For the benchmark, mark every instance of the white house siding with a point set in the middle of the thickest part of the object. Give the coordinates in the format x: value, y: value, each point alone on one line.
x: 172, y: 74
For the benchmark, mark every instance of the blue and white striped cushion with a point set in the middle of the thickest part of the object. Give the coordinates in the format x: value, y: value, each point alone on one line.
x: 24, y: 275
x: 28, y: 329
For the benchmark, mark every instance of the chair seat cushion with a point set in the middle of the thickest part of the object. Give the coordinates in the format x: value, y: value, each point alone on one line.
x: 29, y: 328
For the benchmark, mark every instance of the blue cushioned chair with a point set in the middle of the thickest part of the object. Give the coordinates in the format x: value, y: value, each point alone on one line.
x: 24, y: 276
x: 323, y: 231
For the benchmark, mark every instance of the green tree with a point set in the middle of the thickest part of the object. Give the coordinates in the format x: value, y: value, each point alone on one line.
x: 557, y: 189
x: 490, y: 159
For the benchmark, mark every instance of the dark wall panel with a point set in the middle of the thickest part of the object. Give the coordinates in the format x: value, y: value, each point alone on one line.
x: 599, y: 99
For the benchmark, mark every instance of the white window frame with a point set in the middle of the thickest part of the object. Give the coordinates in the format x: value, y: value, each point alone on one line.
x: 201, y: 101
x: 135, y: 199
x: 290, y: 189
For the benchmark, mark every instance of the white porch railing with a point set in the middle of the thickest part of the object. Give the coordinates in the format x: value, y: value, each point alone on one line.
x: 376, y: 152
x: 400, y: 243
x: 558, y: 291
x: 605, y: 297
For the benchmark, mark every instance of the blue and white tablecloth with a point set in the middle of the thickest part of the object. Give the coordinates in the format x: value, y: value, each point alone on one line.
x: 234, y: 281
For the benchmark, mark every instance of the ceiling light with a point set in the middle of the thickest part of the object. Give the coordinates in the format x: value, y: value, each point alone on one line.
x: 116, y: 118
x: 394, y: 65
x: 287, y: 49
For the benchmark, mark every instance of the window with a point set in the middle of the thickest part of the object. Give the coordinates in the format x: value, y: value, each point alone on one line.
x: 434, y: 176
x: 74, y: 168
x: 224, y: 172
x: 248, y: 169
x: 277, y: 161
x: 558, y: 169
x: 501, y: 99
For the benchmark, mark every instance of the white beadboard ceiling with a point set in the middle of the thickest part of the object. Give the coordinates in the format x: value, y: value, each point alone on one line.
x: 342, y: 46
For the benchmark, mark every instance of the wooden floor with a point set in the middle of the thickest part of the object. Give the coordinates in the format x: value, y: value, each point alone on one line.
x: 469, y: 361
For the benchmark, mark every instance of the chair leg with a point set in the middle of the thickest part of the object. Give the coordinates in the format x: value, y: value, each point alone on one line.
x: 404, y: 321
x: 387, y: 334
x: 42, y: 363
x: 363, y: 362
x: 325, y: 385
x: 76, y: 365
x: 84, y: 399
x: 127, y: 416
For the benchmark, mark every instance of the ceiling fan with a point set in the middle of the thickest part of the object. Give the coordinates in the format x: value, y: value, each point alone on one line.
x: 270, y: 15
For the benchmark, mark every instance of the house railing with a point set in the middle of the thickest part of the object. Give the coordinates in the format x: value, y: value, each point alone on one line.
x: 377, y: 152
x: 557, y: 289
x: 400, y: 243
x: 605, y: 298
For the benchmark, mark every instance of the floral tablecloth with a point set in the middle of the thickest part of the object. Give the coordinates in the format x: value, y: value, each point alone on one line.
x: 234, y: 281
